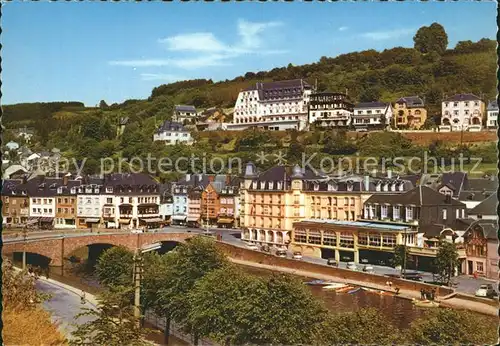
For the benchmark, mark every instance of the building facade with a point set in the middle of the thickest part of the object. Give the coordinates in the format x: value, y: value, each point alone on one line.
x: 462, y: 112
x: 481, y: 246
x: 278, y: 105
x: 15, y: 203
x: 90, y: 204
x: 194, y: 206
x: 410, y: 112
x: 66, y: 204
x: 184, y: 114
x: 172, y: 133
x: 372, y: 116
x: 327, y: 109
x: 492, y: 115
x: 229, y: 203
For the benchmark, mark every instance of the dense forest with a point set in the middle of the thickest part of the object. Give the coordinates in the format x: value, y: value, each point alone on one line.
x: 429, y: 70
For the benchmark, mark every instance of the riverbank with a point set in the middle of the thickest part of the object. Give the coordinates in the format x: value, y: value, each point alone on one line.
x: 454, y: 302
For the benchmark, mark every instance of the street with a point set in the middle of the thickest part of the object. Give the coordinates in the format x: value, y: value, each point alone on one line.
x: 64, y: 305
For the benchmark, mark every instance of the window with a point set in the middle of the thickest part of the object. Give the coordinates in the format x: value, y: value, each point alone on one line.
x: 479, y: 267
x: 374, y: 239
x: 314, y: 237
x: 383, y: 212
x: 363, y: 239
x: 409, y: 213
x: 329, y: 239
x: 395, y: 212
x: 109, y: 200
x: 346, y: 201
x: 121, y: 199
x: 463, y: 213
x: 445, y: 212
x: 59, y: 210
x: 388, y: 240
x: 346, y: 240
x: 299, y: 236
x: 457, y: 213
x: 352, y: 201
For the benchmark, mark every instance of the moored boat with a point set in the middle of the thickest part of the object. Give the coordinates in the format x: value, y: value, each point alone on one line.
x: 320, y: 283
x: 334, y: 286
x: 425, y: 303
x: 344, y: 289
x: 354, y: 290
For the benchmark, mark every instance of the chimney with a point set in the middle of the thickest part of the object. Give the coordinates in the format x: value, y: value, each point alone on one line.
x: 447, y: 199
x: 211, y: 178
x: 65, y: 180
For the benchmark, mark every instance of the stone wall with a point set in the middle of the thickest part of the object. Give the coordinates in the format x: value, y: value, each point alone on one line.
x: 267, y: 259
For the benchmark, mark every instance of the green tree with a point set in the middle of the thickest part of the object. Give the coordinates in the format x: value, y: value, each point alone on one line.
x: 225, y: 306
x: 402, y: 257
x: 431, y: 38
x: 115, y: 266
x: 295, y: 150
x: 446, y: 261
x: 453, y: 327
x: 291, y: 314
x: 363, y: 327
x: 370, y: 94
x: 112, y: 324
x: 103, y: 104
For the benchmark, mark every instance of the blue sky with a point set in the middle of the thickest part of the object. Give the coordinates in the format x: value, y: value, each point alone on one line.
x: 89, y: 51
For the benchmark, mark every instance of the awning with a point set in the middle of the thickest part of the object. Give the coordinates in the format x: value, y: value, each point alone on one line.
x: 193, y: 219
x: 225, y: 220
x: 32, y: 220
x: 125, y: 221
x: 152, y: 220
x: 125, y: 205
x: 46, y: 219
x: 147, y: 205
x: 90, y: 220
x: 179, y: 217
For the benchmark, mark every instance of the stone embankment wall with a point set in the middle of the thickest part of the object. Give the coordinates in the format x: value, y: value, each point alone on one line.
x: 348, y: 275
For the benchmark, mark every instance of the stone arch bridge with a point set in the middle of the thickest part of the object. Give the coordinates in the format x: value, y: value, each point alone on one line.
x: 58, y: 248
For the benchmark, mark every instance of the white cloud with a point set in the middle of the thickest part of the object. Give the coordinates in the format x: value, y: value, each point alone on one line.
x: 199, y: 41
x: 214, y: 51
x: 388, y: 35
x: 343, y: 28
x: 162, y: 77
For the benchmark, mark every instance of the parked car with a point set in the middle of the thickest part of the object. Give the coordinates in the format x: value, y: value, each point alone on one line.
x: 486, y: 291
x: 297, y: 255
x: 352, y: 266
x: 332, y: 262
x: 252, y: 246
x: 208, y: 233
x: 136, y: 231
x: 281, y: 253
x: 412, y: 276
x: 368, y: 269
x: 265, y: 248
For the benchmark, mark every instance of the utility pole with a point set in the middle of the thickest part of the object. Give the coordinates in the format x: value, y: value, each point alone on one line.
x: 25, y: 235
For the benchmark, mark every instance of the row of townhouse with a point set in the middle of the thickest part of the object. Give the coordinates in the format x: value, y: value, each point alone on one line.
x: 362, y: 218
x: 294, y: 104
x: 113, y: 201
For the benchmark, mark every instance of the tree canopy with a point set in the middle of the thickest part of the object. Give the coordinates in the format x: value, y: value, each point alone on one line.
x: 431, y: 38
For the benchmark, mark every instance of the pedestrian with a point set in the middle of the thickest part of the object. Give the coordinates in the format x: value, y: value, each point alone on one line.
x: 47, y: 272
x: 390, y: 284
x: 425, y: 294
x: 422, y: 294
x: 397, y: 290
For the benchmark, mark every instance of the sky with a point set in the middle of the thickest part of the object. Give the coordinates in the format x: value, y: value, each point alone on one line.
x: 92, y: 51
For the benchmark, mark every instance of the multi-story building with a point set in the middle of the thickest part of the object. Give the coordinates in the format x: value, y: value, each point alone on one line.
x: 42, y: 192
x: 166, y: 203
x: 372, y: 115
x: 462, y: 112
x: 184, y: 114
x: 275, y: 199
x: 194, y: 206
x: 210, y: 199
x: 481, y: 246
x: 278, y: 105
x: 90, y: 203
x: 172, y: 133
x: 486, y: 209
x: 15, y: 203
x: 131, y: 200
x: 327, y: 109
x: 492, y: 117
x: 66, y: 204
x: 229, y: 204
x: 410, y: 112
x: 180, y: 201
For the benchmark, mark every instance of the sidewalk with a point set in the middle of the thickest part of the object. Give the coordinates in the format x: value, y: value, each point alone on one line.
x: 456, y: 303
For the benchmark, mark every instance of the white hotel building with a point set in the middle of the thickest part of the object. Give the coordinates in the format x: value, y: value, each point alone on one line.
x: 492, y: 119
x: 462, y: 112
x: 275, y: 106
x: 369, y: 115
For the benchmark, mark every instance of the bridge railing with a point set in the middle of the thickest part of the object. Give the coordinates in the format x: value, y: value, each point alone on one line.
x: 175, y: 329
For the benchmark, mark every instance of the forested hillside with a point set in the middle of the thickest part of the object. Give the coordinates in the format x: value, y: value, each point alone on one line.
x: 428, y: 70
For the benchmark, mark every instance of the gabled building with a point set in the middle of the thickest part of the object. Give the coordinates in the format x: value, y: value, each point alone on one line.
x: 15, y: 203
x: 486, y: 210
x: 90, y: 203
x: 166, y: 203
x: 194, y: 206
x: 228, y: 216
x: 410, y: 112
x: 481, y: 246
x: 462, y: 112
x: 66, y: 203
x: 172, y: 133
x: 184, y: 114
x: 492, y: 115
x: 279, y: 105
x: 327, y: 109
x: 372, y: 116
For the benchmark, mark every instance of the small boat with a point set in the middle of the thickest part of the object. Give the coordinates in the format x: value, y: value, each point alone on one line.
x: 344, y: 289
x: 334, y: 286
x: 369, y: 289
x: 354, y: 290
x: 319, y: 283
x: 425, y: 303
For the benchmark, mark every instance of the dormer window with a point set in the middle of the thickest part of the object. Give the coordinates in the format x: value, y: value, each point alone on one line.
x: 254, y: 185
x: 73, y: 190
x: 386, y: 187
x: 59, y: 190
x: 88, y: 190
x: 350, y: 187
x: 378, y: 187
x: 393, y: 187
x: 280, y: 185
x: 316, y: 187
x: 271, y: 185
x: 96, y: 190
x: 109, y: 190
x: 401, y: 187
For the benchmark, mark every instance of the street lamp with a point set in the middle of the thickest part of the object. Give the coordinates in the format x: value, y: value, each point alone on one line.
x: 137, y: 276
x: 25, y: 235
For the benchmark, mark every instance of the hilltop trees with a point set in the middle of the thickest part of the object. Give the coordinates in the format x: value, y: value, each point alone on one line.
x: 431, y: 38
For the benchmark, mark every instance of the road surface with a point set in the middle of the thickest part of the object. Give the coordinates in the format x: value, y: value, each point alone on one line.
x: 63, y: 306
